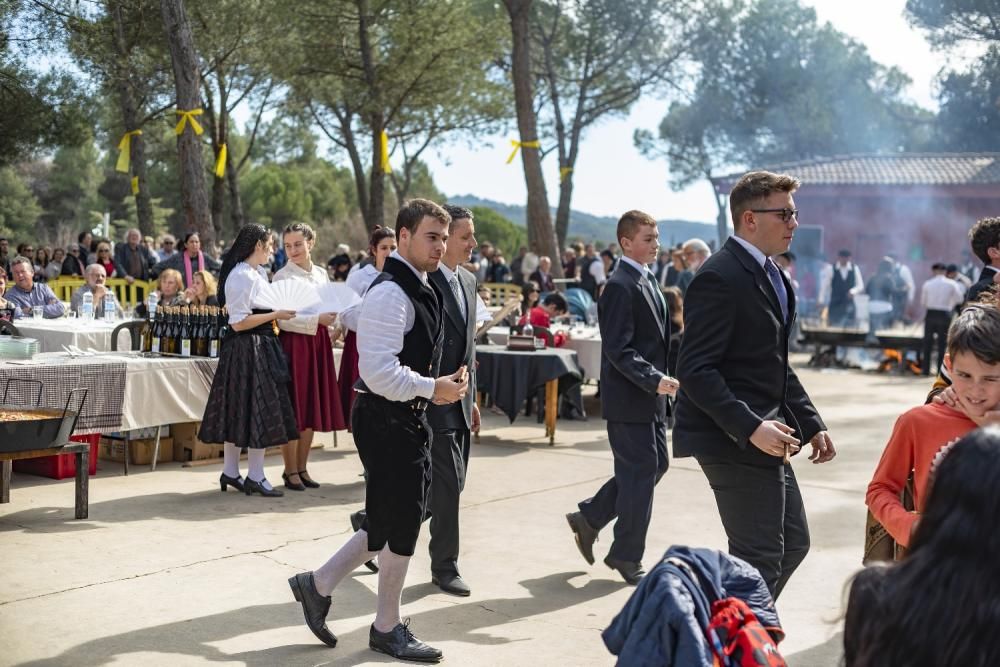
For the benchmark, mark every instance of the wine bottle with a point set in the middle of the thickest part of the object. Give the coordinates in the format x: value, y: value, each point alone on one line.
x: 169, y: 341
x: 147, y: 332
x: 185, y: 332
x: 199, y: 345
x: 157, y: 331
x: 213, y: 332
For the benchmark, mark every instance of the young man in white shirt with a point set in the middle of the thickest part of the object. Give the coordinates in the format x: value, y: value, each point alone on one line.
x: 940, y: 296
x: 400, y: 337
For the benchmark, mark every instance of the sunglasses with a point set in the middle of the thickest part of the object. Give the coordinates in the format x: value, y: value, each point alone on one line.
x: 786, y: 214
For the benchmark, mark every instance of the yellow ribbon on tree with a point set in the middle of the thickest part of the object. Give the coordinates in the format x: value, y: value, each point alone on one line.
x: 125, y: 151
x: 384, y: 141
x: 188, y: 117
x: 518, y: 145
x: 220, y: 163
x: 564, y: 172
x: 135, y: 185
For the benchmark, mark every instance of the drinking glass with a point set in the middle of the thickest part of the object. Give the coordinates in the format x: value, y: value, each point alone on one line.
x: 37, y: 312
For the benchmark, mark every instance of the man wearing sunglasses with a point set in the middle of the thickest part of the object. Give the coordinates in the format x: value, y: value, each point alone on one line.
x: 741, y: 410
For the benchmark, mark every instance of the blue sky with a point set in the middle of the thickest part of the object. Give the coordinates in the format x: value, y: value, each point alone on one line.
x: 611, y: 176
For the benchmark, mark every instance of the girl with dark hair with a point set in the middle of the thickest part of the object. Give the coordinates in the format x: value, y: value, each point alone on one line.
x: 381, y: 243
x: 248, y: 405
x: 938, y: 606
x: 306, y: 342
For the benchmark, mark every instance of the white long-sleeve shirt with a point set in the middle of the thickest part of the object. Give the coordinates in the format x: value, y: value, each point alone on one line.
x: 303, y: 324
x: 826, y: 280
x: 941, y: 293
x: 242, y: 286
x: 359, y: 281
x: 387, y: 315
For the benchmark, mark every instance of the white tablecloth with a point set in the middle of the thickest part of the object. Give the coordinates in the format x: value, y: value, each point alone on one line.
x: 586, y: 341
x: 52, y: 335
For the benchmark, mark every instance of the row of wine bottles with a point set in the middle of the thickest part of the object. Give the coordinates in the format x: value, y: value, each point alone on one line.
x: 195, y: 331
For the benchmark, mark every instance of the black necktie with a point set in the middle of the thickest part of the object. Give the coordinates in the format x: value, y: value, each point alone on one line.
x: 657, y: 296
x: 774, y: 274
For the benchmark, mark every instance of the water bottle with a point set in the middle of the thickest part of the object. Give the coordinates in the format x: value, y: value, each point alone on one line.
x: 151, y: 305
x: 87, y: 310
x: 109, y: 307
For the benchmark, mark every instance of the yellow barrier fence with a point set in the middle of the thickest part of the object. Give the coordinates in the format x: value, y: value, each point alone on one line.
x: 125, y: 294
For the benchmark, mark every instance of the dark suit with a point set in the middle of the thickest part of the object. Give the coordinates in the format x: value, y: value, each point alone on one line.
x: 451, y: 423
x: 147, y: 260
x: 984, y: 284
x: 635, y: 331
x: 734, y: 374
x: 544, y: 282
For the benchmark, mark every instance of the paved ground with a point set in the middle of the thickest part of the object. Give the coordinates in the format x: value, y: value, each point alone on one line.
x: 168, y: 571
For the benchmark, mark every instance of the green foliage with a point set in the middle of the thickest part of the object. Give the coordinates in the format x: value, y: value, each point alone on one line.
x: 19, y: 209
x: 950, y: 21
x: 498, y: 230
x: 968, y: 119
x: 70, y: 193
x: 774, y: 85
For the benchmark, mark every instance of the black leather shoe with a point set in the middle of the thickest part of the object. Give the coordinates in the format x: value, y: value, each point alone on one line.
x: 294, y: 486
x: 227, y: 481
x: 631, y: 572
x: 356, y: 520
x: 402, y: 645
x: 315, y: 607
x: 451, y: 583
x: 308, y: 481
x: 251, y: 487
x: 585, y: 535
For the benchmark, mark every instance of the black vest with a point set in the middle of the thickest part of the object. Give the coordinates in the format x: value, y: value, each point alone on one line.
x: 840, y: 288
x: 422, y: 344
x: 459, y: 349
x: 587, y: 280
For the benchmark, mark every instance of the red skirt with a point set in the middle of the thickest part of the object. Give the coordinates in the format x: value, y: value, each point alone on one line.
x: 313, y: 389
x: 348, y: 375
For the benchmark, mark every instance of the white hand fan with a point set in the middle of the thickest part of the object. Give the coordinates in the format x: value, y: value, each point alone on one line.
x: 287, y: 295
x: 334, y: 298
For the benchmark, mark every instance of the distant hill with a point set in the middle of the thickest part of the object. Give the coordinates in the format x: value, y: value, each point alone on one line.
x: 594, y: 227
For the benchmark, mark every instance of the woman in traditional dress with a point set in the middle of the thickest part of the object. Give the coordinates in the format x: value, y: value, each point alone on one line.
x: 381, y: 243
x: 306, y: 342
x: 248, y: 405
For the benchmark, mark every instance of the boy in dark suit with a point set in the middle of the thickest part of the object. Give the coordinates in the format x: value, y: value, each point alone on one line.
x: 985, y: 239
x: 741, y: 410
x: 635, y: 330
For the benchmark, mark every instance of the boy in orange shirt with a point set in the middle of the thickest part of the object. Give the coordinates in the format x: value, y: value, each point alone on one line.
x: 923, y: 433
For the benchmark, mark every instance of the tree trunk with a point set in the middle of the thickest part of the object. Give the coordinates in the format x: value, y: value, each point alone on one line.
x: 213, y: 124
x: 376, y: 182
x: 235, y: 201
x: 541, y: 235
x: 194, y: 198
x: 130, y: 120
x: 562, y: 211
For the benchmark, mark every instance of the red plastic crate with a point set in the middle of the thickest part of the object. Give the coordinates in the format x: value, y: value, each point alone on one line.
x: 60, y: 466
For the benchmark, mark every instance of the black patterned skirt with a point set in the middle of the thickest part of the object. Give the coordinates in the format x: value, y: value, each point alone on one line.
x: 248, y: 404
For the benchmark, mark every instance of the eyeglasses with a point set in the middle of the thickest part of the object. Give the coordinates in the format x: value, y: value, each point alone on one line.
x: 786, y: 214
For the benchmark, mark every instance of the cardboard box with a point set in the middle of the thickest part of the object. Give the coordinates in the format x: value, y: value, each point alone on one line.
x: 140, y: 452
x: 187, y: 446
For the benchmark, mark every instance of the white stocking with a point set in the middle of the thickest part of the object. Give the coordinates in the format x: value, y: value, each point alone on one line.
x: 231, y: 460
x: 346, y: 560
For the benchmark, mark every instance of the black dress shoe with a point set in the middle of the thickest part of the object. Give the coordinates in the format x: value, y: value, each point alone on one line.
x: 314, y: 606
x: 227, y: 481
x: 356, y: 519
x: 402, y: 645
x: 308, y: 481
x: 585, y: 535
x: 631, y: 572
x: 251, y: 487
x: 294, y: 486
x: 451, y: 583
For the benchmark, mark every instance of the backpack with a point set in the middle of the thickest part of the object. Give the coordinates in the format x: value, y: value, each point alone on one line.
x: 737, y: 638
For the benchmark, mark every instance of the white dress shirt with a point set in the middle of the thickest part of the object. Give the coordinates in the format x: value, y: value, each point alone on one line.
x: 387, y: 315
x: 242, y: 285
x: 826, y: 280
x: 597, y: 271
x: 482, y: 312
x: 754, y: 251
x: 303, y: 324
x: 941, y: 293
x: 359, y: 281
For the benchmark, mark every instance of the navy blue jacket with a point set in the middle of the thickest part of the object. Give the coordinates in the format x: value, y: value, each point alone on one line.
x: 664, y: 621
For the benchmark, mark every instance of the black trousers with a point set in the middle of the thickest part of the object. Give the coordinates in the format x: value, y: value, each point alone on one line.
x: 640, y: 452
x: 841, y: 313
x: 935, y: 324
x: 450, y: 461
x: 393, y: 441
x: 762, y: 511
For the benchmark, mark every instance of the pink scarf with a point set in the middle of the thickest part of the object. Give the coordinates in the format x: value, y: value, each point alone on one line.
x: 187, y: 267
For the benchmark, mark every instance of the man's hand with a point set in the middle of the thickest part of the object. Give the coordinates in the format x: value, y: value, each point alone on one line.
x: 823, y: 449
x: 987, y: 418
x: 948, y: 396
x: 99, y: 292
x: 775, y: 439
x: 326, y: 319
x: 477, y: 419
x: 129, y: 279
x: 451, y: 388
x: 668, y: 386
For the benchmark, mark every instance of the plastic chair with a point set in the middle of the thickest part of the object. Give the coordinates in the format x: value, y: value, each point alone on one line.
x: 136, y: 329
x: 8, y: 329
